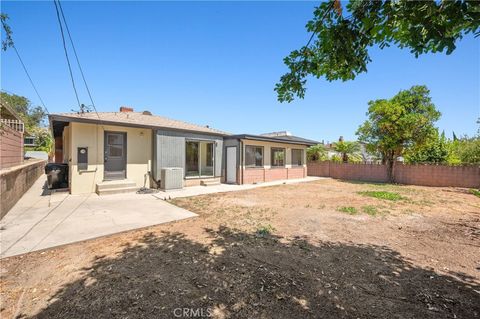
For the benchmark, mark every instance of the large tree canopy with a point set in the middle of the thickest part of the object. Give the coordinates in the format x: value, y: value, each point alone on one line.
x: 338, y: 49
x: 396, y: 124
x: 32, y: 116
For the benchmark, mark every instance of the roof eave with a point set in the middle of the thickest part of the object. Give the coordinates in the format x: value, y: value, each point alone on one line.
x: 271, y: 139
x: 63, y: 118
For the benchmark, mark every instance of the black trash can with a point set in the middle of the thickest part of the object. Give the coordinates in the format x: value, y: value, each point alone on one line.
x: 57, y: 175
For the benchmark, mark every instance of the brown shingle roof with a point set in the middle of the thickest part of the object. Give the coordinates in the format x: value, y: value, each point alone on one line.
x: 136, y: 119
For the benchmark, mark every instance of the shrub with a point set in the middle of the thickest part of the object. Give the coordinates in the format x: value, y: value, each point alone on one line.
x: 265, y: 230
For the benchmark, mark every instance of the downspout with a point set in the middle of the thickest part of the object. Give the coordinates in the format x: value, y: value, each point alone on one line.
x: 241, y: 159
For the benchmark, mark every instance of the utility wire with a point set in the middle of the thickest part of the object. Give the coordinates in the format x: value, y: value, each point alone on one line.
x: 321, y: 20
x: 76, y: 57
x: 28, y: 74
x: 66, y: 53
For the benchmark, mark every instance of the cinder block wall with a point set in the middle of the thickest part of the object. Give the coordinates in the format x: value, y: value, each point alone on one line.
x: 11, y: 147
x: 425, y: 175
x: 16, y: 181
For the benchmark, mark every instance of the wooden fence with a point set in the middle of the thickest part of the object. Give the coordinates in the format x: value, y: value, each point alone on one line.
x: 11, y: 147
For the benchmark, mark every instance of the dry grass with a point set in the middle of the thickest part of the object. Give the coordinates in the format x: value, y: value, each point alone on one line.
x: 284, y: 251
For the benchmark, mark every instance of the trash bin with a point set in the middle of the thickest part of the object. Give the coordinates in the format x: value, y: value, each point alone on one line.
x: 57, y: 175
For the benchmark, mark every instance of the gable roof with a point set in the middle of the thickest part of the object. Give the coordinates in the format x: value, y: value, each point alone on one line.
x: 136, y: 119
x: 7, y: 112
x: 289, y: 139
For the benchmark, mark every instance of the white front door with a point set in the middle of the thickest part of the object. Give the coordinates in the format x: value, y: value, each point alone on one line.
x: 231, y: 164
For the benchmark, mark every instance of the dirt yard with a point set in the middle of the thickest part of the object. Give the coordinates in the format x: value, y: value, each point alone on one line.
x: 325, y: 249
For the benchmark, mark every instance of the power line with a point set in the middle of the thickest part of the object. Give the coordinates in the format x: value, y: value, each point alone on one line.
x: 66, y: 53
x: 28, y: 74
x: 76, y: 57
x: 321, y: 20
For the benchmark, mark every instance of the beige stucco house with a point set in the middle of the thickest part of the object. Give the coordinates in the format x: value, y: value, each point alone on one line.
x: 108, y: 152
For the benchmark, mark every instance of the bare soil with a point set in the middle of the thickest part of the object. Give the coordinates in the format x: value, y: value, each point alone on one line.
x: 275, y: 252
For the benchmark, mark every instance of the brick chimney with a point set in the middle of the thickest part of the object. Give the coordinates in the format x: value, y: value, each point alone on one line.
x: 125, y: 109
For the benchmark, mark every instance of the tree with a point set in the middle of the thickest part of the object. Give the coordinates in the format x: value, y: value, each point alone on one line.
x: 32, y: 116
x: 402, y: 122
x: 43, y: 140
x: 465, y: 150
x: 8, y: 42
x: 435, y: 150
x: 348, y: 150
x: 338, y: 47
x: 317, y: 153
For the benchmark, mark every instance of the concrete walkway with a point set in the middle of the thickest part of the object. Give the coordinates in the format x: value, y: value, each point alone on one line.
x: 40, y: 220
x: 201, y: 190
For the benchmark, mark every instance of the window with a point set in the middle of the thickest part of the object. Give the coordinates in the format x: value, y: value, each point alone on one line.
x: 192, y: 153
x: 297, y: 157
x: 278, y: 157
x: 199, y: 159
x: 253, y: 156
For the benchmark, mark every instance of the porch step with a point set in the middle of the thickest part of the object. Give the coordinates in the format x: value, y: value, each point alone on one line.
x: 210, y: 182
x: 116, y: 187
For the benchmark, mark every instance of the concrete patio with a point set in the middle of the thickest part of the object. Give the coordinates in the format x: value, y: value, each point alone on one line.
x: 41, y: 220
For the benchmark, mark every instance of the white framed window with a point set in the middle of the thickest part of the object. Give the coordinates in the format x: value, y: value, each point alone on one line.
x: 277, y: 157
x: 253, y: 156
x: 297, y: 157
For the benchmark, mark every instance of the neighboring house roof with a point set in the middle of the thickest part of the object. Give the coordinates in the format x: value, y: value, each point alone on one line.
x: 138, y: 119
x: 289, y: 139
x: 7, y: 112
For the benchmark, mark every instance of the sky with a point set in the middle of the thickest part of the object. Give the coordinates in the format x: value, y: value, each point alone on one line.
x: 216, y: 64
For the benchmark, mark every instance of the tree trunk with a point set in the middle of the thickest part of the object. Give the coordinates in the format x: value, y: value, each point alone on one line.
x: 390, y: 161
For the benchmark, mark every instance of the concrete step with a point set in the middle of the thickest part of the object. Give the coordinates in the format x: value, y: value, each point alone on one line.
x: 210, y: 182
x: 115, y: 187
x: 115, y: 184
x: 117, y: 190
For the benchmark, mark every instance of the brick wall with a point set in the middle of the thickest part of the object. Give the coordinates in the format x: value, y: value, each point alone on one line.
x: 14, y: 182
x: 296, y: 172
x: 11, y: 147
x: 260, y: 175
x: 426, y: 175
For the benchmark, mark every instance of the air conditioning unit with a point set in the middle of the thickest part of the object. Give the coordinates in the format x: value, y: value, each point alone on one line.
x: 171, y: 178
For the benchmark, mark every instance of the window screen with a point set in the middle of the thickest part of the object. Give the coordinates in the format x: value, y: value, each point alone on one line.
x: 297, y: 157
x: 278, y: 157
x: 253, y: 156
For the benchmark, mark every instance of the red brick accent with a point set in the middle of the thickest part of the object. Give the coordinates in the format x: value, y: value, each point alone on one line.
x: 426, y: 175
x: 275, y: 174
x: 296, y: 172
x: 11, y: 147
x: 260, y: 175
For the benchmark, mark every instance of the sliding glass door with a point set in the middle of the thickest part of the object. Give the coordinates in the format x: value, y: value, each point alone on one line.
x: 199, y: 161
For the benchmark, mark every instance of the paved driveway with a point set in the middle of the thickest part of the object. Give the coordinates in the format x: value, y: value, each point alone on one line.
x: 41, y: 220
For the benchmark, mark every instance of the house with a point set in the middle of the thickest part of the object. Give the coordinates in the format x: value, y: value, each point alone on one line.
x: 11, y: 137
x: 127, y: 150
x: 267, y: 157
